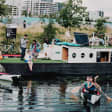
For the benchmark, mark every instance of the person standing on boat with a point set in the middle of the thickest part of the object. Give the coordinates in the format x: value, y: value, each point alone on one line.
x: 35, y: 48
x: 23, y: 45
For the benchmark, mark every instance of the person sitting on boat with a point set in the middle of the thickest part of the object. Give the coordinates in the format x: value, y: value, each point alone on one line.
x: 28, y: 59
x: 35, y: 48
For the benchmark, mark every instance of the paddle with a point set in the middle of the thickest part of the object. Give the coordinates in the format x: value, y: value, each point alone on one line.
x: 75, y: 91
x: 99, y: 88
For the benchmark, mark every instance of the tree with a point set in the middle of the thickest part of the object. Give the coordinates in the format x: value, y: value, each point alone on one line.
x: 24, y: 13
x: 100, y: 27
x: 3, y: 8
x: 49, y: 32
x: 73, y: 14
x: 30, y: 14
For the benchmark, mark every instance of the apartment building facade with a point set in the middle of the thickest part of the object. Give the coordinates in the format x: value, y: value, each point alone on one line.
x: 34, y: 7
x: 40, y: 7
x: 16, y: 7
x: 94, y: 15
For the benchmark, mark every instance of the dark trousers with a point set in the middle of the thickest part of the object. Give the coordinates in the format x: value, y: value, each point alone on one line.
x: 22, y: 53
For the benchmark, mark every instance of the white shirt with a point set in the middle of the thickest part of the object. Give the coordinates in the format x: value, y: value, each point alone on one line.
x: 23, y: 43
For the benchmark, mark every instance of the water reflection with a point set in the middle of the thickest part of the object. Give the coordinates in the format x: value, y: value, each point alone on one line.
x: 62, y: 90
x: 20, y: 98
x: 32, y: 97
x: 51, y: 96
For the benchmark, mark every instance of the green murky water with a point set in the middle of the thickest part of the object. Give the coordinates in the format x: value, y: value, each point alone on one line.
x: 50, y: 96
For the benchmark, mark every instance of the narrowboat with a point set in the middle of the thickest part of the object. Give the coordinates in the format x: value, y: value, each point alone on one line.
x: 79, y: 58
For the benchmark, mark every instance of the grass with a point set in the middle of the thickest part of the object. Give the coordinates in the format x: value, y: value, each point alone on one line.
x: 17, y: 60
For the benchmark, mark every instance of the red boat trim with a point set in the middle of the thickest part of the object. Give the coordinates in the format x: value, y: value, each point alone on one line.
x: 2, y: 73
x: 17, y: 55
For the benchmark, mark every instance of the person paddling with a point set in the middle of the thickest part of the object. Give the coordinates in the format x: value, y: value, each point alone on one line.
x: 90, y: 84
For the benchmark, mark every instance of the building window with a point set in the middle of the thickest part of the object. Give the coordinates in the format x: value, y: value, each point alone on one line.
x: 91, y: 55
x: 82, y: 55
x: 74, y: 55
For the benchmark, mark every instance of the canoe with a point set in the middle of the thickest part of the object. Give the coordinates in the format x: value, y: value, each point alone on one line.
x: 90, y: 98
x: 85, y: 95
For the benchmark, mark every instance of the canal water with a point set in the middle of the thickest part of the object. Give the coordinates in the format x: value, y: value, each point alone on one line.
x: 50, y: 95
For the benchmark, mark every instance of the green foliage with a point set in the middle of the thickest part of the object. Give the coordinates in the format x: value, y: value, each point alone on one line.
x: 30, y: 14
x: 2, y: 32
x: 100, y: 28
x: 3, y: 8
x: 73, y: 14
x: 9, y: 20
x: 49, y: 33
x: 24, y: 13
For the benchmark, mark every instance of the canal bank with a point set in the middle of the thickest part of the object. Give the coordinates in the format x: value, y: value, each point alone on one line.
x: 59, y: 68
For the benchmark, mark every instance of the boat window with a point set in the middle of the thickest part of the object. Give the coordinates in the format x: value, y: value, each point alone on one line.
x: 91, y: 55
x: 103, y: 56
x: 111, y: 56
x: 82, y: 55
x: 74, y: 55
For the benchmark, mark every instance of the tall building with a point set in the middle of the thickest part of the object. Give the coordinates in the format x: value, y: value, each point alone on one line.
x: 94, y: 15
x: 34, y: 7
x: 14, y: 11
x: 40, y: 7
x: 60, y: 6
x: 28, y: 5
x: 54, y: 7
x: 16, y: 7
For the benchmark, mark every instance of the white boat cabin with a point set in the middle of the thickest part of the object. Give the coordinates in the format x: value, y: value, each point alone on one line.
x: 81, y: 54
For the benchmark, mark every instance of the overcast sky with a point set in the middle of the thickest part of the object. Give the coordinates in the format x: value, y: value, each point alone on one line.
x: 105, y: 5
x: 59, y: 0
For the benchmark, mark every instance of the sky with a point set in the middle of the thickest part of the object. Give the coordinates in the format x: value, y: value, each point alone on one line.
x: 104, y: 5
x: 59, y: 0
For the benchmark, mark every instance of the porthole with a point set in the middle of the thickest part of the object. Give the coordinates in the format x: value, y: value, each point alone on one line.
x: 82, y: 55
x: 74, y: 55
x: 91, y: 55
